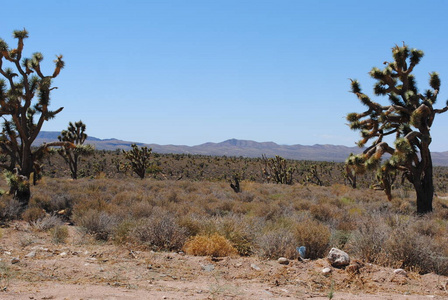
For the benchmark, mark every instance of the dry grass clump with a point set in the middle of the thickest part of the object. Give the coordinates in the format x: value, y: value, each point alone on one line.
x: 98, y: 223
x: 32, y: 214
x: 46, y: 223
x: 59, y: 234
x: 276, y: 243
x: 209, y: 245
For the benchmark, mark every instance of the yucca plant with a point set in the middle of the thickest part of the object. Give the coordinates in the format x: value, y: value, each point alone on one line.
x: 408, y: 118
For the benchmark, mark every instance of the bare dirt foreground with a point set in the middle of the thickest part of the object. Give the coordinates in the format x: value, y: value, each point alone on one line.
x: 33, y: 267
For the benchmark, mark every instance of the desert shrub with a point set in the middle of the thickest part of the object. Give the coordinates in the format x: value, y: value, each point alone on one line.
x: 160, y: 231
x: 276, y: 243
x: 406, y: 248
x: 368, y: 240
x: 32, y: 214
x: 98, y: 223
x: 339, y: 238
x: 46, y: 223
x: 59, y: 234
x: 214, y: 245
x: 123, y: 230
x: 10, y: 208
x: 240, y: 231
x: 315, y: 236
x: 323, y: 212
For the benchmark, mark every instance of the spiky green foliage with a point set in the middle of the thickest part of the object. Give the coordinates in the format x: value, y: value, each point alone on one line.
x: 139, y: 158
x: 75, y: 136
x: 408, y: 118
x: 24, y: 106
x: 276, y: 170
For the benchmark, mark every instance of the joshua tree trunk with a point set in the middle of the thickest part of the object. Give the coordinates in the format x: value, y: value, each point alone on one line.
x: 424, y: 187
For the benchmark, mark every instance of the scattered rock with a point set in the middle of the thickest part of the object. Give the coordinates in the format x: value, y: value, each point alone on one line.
x: 283, y: 261
x: 326, y: 271
x: 255, y: 267
x: 63, y: 254
x: 208, y: 268
x: 338, y: 258
x: 31, y: 254
x: 400, y: 272
x: 15, y: 260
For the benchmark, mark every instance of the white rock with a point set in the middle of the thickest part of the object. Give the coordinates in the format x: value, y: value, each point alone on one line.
x: 338, y: 258
x: 63, y: 254
x: 208, y: 268
x: 283, y: 261
x: 255, y: 267
x: 31, y: 254
x: 400, y: 272
x: 326, y: 271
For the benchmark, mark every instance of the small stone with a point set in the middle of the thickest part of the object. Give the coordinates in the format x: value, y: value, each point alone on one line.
x: 31, y: 254
x: 326, y: 271
x: 338, y: 258
x: 15, y: 260
x: 255, y: 267
x: 400, y: 272
x: 63, y: 254
x: 283, y: 261
x: 208, y: 268
x: 7, y: 253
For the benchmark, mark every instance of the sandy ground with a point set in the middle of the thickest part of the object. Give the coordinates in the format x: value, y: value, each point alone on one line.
x: 84, y: 269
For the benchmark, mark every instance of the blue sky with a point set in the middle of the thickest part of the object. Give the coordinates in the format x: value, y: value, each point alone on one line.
x: 188, y: 72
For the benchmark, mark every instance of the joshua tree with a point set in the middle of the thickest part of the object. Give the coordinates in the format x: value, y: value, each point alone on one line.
x: 276, y: 170
x: 139, y: 158
x: 408, y: 118
x: 24, y: 106
x: 75, y: 135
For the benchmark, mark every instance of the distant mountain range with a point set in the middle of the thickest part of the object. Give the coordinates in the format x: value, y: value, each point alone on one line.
x: 234, y: 147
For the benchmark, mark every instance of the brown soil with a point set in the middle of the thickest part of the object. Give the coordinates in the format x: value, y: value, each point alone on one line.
x: 85, y: 269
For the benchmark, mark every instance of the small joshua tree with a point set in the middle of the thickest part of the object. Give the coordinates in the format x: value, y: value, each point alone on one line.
x: 408, y: 118
x: 75, y: 135
x: 139, y: 158
x: 24, y: 106
x: 276, y: 170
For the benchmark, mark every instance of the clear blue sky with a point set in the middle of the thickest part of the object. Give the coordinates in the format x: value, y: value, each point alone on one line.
x: 190, y: 71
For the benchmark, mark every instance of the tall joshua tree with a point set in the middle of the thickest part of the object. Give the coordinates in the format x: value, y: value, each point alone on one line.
x: 75, y: 135
x: 408, y: 118
x: 24, y: 107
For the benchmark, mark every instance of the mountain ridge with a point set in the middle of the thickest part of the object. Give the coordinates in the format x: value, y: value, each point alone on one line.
x: 235, y: 147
